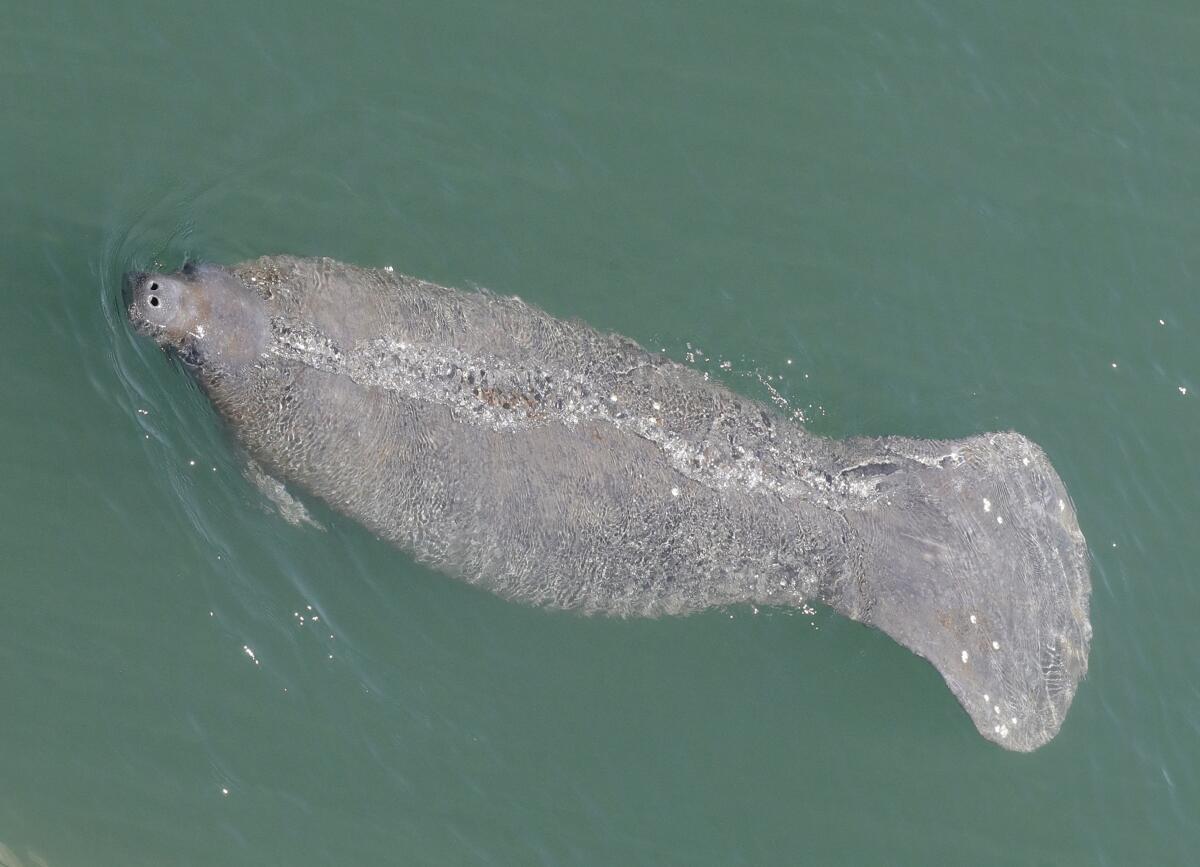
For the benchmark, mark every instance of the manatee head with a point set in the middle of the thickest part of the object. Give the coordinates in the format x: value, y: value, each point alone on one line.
x: 204, y: 314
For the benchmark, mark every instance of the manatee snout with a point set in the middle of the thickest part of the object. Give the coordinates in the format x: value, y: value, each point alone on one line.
x: 202, y: 313
x: 162, y: 305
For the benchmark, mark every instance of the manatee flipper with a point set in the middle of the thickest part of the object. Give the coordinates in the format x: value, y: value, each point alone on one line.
x: 972, y: 558
x: 289, y: 508
x: 8, y: 858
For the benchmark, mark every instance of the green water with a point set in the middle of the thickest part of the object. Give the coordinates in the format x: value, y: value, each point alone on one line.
x: 927, y: 218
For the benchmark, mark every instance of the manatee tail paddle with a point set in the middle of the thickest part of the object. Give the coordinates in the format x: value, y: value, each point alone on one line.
x: 971, y: 557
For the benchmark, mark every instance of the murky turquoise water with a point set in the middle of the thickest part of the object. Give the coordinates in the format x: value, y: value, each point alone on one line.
x: 950, y: 219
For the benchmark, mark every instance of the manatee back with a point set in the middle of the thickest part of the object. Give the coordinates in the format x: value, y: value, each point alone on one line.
x: 587, y: 517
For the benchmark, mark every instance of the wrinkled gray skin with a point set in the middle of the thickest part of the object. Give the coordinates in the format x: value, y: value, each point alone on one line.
x: 559, y: 466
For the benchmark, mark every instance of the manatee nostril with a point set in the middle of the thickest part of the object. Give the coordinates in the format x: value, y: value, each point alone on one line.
x: 153, y: 287
x: 153, y: 300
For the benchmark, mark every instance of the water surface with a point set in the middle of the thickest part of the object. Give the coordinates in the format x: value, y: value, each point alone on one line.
x: 914, y: 218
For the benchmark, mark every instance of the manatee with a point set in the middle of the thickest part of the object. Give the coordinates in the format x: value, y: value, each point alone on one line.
x: 560, y: 466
